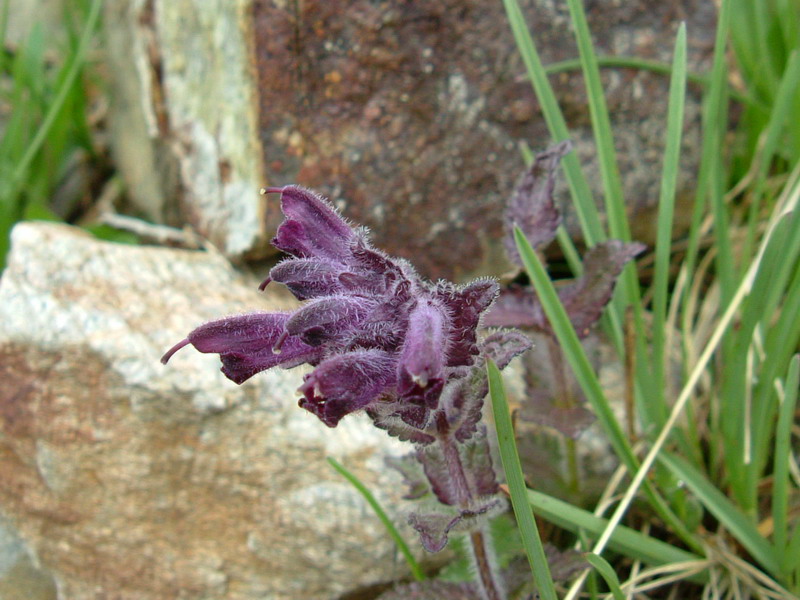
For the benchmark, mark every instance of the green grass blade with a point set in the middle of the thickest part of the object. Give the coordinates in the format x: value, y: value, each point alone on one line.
x: 584, y: 373
x: 29, y: 65
x: 782, y: 115
x: 66, y: 84
x: 776, y: 268
x: 783, y: 449
x: 791, y: 560
x: 571, y: 346
x: 579, y: 188
x: 588, y: 216
x: 666, y: 210
x: 601, y: 126
x: 3, y: 32
x: 516, y: 485
x: 715, y: 115
x: 751, y: 43
x: 616, y: 214
x: 416, y: 570
x: 624, y: 540
x: 740, y: 526
x: 606, y: 571
x: 713, y: 119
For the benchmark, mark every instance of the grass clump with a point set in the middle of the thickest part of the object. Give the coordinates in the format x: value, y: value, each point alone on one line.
x: 718, y: 438
x: 44, y: 95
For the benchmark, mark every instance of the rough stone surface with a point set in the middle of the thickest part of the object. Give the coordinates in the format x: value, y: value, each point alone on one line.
x: 406, y: 113
x: 185, y: 123
x: 127, y: 479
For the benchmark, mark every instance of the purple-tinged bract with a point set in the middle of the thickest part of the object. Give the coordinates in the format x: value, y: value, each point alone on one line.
x: 583, y: 298
x: 531, y: 206
x: 379, y: 336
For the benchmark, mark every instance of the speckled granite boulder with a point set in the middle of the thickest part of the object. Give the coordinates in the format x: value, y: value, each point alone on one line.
x: 124, y: 478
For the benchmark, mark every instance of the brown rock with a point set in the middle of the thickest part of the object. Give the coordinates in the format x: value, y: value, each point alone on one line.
x: 407, y: 114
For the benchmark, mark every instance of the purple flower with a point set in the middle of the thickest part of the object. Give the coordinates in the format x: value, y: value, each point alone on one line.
x: 376, y: 333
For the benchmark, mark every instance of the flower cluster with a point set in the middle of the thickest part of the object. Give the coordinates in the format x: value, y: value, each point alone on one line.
x: 379, y: 336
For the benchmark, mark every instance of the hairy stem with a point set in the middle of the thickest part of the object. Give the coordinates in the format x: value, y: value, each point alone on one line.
x: 455, y: 470
x: 564, y: 399
x: 481, y: 550
x: 563, y: 396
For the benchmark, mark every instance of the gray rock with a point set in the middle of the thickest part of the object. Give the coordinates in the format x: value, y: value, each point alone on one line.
x: 126, y: 478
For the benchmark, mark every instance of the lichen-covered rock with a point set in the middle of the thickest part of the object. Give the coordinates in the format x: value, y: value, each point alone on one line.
x: 123, y: 478
x: 408, y: 113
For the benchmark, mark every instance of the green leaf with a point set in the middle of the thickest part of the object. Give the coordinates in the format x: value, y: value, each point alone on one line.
x: 61, y: 95
x: 416, y: 571
x: 624, y: 540
x: 783, y: 449
x: 725, y: 511
x: 516, y: 485
x: 601, y: 126
x: 666, y: 210
x: 601, y: 565
x: 584, y: 373
x: 579, y: 188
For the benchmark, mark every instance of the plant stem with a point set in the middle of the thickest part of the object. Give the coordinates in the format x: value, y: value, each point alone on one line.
x: 455, y: 469
x: 564, y: 400
x: 481, y: 549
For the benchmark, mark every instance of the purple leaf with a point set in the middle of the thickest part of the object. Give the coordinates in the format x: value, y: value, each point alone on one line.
x: 413, y: 415
x: 465, y: 305
x: 585, y: 298
x: 477, y: 460
x: 463, y: 400
x: 434, y: 528
x: 553, y: 397
x: 387, y: 416
x: 474, y: 464
x: 542, y: 408
x: 312, y: 228
x: 413, y: 476
x: 346, y: 383
x: 504, y: 344
x: 531, y: 206
x: 432, y: 589
x: 436, y: 470
x: 516, y: 306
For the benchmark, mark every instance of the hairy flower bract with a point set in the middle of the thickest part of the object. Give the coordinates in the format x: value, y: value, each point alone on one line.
x: 375, y: 331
